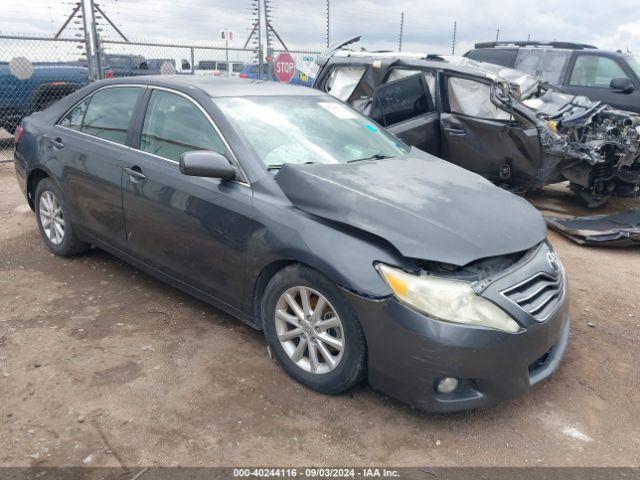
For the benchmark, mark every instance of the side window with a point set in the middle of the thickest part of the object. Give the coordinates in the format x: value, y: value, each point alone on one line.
x: 429, y: 77
x: 73, y: 119
x: 343, y: 81
x: 109, y: 113
x: 472, y: 98
x: 529, y: 60
x: 595, y: 71
x: 401, y: 100
x: 174, y: 125
x: 554, y: 65
x: 499, y: 56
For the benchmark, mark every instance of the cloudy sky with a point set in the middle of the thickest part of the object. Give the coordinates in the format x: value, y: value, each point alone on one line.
x: 614, y: 24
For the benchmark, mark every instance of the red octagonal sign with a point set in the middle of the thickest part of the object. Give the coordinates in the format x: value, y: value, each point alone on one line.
x: 284, y: 67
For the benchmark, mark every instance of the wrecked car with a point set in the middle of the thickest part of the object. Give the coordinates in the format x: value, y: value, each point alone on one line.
x: 356, y: 254
x: 516, y: 131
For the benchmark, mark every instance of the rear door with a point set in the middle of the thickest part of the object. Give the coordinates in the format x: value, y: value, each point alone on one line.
x: 192, y: 228
x: 89, y: 141
x: 405, y: 106
x: 480, y: 136
x: 591, y: 74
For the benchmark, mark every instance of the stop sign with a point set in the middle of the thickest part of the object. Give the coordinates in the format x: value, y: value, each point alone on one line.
x: 284, y: 67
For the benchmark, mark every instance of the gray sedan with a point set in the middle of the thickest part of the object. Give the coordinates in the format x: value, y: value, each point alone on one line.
x: 357, y: 255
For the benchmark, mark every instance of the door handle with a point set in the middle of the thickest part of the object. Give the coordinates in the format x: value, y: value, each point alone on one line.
x: 454, y: 130
x: 135, y: 173
x: 57, y: 142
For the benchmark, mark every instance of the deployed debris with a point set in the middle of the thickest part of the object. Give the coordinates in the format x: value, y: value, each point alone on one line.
x: 617, y: 230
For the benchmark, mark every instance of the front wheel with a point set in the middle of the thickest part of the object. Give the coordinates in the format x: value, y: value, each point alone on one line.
x: 312, y: 331
x: 52, y: 215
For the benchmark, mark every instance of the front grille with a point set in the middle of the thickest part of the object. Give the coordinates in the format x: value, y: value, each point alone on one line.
x: 538, y: 295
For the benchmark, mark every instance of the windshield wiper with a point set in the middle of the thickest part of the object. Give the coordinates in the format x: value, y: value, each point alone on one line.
x: 375, y: 156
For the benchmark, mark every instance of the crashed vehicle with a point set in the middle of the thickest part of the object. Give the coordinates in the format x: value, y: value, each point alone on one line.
x: 356, y: 254
x: 516, y: 131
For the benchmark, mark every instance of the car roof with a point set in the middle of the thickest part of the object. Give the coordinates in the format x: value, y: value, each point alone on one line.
x: 216, y: 86
x: 410, y: 60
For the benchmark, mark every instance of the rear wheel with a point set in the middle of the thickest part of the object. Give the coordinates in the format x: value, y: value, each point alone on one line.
x: 312, y: 331
x: 52, y: 215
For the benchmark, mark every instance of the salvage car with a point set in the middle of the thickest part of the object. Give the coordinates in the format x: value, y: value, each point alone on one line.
x: 509, y: 127
x: 358, y: 255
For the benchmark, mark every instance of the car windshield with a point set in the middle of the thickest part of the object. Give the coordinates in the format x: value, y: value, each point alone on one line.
x: 634, y: 63
x: 307, y: 129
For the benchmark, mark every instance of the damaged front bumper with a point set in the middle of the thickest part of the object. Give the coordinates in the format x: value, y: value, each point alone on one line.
x: 409, y: 353
x: 595, y: 147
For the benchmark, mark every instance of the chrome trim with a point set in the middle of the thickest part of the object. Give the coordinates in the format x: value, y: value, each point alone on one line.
x: 236, y: 162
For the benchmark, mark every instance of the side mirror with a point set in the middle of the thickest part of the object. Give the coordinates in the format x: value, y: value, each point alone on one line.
x: 622, y: 85
x: 202, y: 163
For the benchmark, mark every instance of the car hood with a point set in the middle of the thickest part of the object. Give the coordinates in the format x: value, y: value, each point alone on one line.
x: 425, y: 207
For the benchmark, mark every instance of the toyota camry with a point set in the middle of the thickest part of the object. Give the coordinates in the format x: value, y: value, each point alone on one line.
x: 358, y: 256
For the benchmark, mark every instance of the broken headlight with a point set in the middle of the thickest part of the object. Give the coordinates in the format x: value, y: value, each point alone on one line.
x: 446, y: 299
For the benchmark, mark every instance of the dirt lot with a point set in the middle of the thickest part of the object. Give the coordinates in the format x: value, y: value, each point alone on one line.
x: 103, y: 365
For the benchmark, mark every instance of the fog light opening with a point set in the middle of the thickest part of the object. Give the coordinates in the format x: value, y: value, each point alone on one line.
x: 447, y: 385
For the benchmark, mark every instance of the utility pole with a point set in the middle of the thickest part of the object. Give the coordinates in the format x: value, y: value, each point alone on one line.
x: 97, y: 48
x: 497, y: 35
x: 401, y: 32
x: 87, y: 41
x: 453, y: 39
x: 328, y: 24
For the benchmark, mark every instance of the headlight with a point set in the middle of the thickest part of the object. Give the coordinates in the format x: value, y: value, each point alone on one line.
x: 444, y: 299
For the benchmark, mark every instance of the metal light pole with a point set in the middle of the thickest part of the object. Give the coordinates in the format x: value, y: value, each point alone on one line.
x: 328, y: 28
x: 96, y: 40
x: 453, y: 39
x: 401, y: 32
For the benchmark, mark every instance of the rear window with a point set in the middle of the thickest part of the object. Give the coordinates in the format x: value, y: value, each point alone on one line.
x: 222, y: 66
x: 237, y: 67
x: 109, y: 113
x: 499, y: 56
x: 206, y: 65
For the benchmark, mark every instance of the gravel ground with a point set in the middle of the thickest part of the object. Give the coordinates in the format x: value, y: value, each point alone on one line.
x: 102, y: 365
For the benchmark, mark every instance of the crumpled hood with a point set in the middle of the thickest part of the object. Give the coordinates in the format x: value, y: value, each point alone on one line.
x: 425, y: 207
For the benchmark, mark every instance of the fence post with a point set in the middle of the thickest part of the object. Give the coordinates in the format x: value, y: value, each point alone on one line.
x: 96, y: 40
x: 193, y: 61
x: 87, y: 42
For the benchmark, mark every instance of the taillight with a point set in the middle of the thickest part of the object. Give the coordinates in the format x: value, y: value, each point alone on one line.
x: 19, y: 132
x: 243, y: 75
x: 108, y: 74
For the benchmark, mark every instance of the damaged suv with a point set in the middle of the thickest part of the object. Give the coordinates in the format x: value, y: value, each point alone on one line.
x: 516, y: 131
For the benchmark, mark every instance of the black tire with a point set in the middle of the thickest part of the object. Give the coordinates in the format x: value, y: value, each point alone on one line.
x: 70, y: 244
x: 352, y: 367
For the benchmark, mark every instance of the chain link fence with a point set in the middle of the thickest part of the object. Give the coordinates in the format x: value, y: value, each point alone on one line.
x: 36, y: 71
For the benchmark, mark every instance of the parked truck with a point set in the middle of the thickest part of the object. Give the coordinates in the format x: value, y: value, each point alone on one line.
x: 35, y: 87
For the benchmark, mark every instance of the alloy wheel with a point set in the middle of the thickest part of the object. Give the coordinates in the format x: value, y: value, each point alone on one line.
x: 51, y: 217
x: 309, y: 330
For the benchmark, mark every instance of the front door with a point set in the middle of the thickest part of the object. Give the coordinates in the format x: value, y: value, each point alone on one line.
x: 191, y: 228
x: 590, y: 75
x: 89, y: 143
x: 480, y: 136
